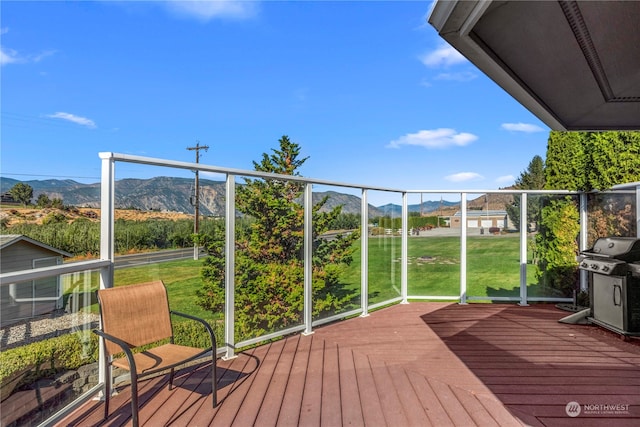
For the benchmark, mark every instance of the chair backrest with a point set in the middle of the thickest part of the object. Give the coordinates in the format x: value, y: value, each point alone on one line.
x: 137, y: 314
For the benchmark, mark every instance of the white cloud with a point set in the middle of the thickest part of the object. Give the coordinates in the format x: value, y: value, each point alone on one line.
x: 464, y: 176
x: 205, y: 10
x: 437, y: 138
x: 443, y: 56
x: 8, y: 56
x: 521, y: 127
x: 506, y: 179
x: 74, y: 119
x: 464, y: 76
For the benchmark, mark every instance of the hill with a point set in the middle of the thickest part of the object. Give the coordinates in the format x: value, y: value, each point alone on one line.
x: 171, y: 194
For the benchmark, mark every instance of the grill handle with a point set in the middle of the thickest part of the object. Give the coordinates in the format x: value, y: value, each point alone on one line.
x: 617, y: 289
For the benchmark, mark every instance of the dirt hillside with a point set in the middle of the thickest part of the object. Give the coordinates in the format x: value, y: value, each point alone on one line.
x: 12, y: 215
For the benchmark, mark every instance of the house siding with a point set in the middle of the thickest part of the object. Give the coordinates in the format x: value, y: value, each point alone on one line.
x: 19, y: 301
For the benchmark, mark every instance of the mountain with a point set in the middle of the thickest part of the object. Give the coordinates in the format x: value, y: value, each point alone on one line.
x: 391, y: 209
x: 170, y: 194
x: 155, y: 194
x: 163, y: 194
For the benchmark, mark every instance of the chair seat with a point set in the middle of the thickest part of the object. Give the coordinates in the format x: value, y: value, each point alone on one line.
x: 158, y: 358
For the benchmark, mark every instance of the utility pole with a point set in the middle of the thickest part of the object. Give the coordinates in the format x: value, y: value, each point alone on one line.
x: 196, y: 200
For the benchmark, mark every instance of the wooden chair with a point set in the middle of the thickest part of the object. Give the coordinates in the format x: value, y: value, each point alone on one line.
x: 139, y: 315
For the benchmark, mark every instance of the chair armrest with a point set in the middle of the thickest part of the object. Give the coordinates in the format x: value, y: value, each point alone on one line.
x: 214, y: 345
x: 125, y: 347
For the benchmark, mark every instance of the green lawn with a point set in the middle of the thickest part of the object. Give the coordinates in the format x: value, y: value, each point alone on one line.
x: 433, y: 270
x: 182, y: 279
x: 493, y: 267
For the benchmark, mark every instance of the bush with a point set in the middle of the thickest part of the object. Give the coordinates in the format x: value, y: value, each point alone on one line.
x: 50, y: 356
x: 556, y: 246
x: 193, y: 334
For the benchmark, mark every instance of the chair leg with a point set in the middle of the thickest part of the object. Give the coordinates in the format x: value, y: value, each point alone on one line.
x: 171, y: 375
x: 214, y: 380
x: 134, y: 399
x: 107, y: 389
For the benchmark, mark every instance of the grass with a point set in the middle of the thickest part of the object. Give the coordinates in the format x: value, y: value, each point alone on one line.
x: 182, y: 279
x: 493, y: 270
x: 493, y: 267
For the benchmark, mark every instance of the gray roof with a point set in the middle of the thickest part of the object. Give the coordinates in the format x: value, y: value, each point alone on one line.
x: 476, y: 214
x: 7, y: 240
x: 573, y: 64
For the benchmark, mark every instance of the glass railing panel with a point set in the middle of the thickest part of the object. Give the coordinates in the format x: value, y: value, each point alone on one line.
x: 155, y: 239
x: 434, y: 245
x: 48, y: 353
x: 269, y: 257
x: 65, y: 218
x: 493, y: 248
x: 552, y: 246
x: 337, y: 264
x: 385, y: 246
x: 611, y: 214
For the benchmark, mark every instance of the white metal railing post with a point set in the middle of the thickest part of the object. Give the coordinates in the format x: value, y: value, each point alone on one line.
x: 463, y: 248
x: 364, y: 254
x: 107, y: 218
x: 308, y: 259
x: 405, y: 250
x: 584, y: 239
x: 524, y: 226
x: 638, y: 211
x: 230, y: 267
x: 107, y: 242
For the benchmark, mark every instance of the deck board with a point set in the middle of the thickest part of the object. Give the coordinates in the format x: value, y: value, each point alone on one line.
x: 418, y: 364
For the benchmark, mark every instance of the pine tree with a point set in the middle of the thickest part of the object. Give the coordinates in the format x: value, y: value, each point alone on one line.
x: 22, y: 193
x: 531, y: 179
x: 269, y: 255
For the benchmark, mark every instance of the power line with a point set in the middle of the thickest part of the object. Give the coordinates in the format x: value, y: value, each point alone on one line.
x: 48, y: 176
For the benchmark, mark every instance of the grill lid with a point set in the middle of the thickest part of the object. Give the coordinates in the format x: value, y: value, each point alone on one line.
x: 622, y: 248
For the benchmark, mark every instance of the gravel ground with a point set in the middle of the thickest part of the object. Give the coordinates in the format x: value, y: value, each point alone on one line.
x: 44, y: 327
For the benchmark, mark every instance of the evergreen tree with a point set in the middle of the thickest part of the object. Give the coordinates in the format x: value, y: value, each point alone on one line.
x: 566, y: 161
x: 613, y: 158
x: 269, y: 255
x: 22, y: 193
x: 583, y: 161
x: 531, y: 179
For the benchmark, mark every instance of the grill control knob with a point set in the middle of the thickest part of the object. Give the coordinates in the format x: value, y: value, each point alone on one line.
x: 585, y: 265
x: 594, y: 266
x: 605, y: 268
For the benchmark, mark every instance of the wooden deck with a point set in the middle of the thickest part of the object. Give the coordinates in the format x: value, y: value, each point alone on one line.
x: 420, y: 364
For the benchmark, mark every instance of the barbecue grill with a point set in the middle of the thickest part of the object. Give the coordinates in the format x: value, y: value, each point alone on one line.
x: 613, y: 265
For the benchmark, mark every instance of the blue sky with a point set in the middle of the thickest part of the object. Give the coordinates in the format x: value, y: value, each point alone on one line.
x: 368, y: 90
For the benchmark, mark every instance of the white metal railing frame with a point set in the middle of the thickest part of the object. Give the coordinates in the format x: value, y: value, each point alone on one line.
x: 108, y: 176
x: 103, y: 266
x: 106, y: 262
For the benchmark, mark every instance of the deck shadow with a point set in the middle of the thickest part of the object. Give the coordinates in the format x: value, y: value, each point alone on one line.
x: 537, y: 367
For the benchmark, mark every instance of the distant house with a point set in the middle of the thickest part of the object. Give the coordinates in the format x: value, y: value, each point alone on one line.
x: 482, y: 219
x: 20, y: 301
x: 7, y: 199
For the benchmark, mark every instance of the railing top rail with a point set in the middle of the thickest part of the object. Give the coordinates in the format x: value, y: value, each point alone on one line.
x: 231, y: 171
x: 264, y: 175
x: 44, y: 272
x: 480, y: 191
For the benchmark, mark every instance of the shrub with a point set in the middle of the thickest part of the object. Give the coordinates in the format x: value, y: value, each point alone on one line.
x: 193, y: 334
x: 50, y: 356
